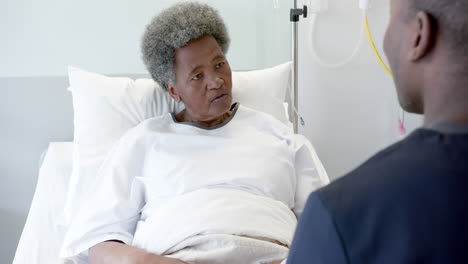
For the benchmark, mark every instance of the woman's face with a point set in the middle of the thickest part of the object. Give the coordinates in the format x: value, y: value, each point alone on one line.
x: 203, y: 79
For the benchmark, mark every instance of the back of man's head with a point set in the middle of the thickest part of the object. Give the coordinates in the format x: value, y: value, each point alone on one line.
x: 451, y: 20
x: 426, y: 45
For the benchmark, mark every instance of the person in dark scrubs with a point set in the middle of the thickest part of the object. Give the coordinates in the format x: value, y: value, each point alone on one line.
x: 408, y: 203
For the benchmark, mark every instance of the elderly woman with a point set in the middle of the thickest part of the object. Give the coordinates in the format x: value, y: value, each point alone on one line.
x: 215, y: 183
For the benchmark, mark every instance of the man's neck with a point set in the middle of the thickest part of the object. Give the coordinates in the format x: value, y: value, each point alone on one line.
x: 446, y: 104
x: 448, y: 127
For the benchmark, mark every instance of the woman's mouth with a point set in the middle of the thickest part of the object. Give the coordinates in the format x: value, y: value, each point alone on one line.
x: 220, y: 98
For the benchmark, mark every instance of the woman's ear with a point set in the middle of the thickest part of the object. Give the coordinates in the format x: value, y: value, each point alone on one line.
x: 172, y: 92
x: 423, y: 37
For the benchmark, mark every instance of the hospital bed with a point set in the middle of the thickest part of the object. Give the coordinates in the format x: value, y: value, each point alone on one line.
x: 43, y: 233
x: 45, y: 227
x: 44, y: 230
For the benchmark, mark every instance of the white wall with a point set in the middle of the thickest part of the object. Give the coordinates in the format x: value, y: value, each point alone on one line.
x: 350, y: 112
x: 40, y: 38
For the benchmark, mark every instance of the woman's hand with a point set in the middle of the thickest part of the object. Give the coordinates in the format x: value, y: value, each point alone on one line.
x: 155, y: 259
x: 276, y: 262
x: 116, y: 252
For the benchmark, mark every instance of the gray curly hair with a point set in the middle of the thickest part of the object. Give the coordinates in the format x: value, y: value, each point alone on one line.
x: 174, y: 28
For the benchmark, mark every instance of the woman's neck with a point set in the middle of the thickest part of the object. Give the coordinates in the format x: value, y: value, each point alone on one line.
x: 184, y: 116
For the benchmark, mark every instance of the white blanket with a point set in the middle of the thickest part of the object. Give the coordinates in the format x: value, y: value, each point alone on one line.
x: 223, y: 249
x: 215, y: 212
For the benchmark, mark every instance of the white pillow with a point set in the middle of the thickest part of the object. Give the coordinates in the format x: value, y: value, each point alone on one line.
x: 264, y: 90
x: 107, y: 107
x: 104, y: 109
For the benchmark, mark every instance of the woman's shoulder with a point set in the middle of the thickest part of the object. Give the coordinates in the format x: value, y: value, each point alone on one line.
x: 156, y: 122
x: 263, y: 120
x: 148, y: 127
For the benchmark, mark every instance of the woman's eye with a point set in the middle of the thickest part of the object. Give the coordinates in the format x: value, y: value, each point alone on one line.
x: 197, y: 77
x: 220, y: 65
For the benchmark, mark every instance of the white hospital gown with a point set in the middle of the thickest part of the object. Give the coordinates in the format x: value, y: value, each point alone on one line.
x: 166, y: 182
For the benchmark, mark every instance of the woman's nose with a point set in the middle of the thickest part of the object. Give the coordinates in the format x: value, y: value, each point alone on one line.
x: 215, y: 82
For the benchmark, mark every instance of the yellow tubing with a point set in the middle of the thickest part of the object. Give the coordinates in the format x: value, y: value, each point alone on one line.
x: 401, y: 119
x: 376, y: 52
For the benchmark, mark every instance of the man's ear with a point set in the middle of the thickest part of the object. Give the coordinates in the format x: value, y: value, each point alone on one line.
x: 172, y: 92
x: 423, y: 36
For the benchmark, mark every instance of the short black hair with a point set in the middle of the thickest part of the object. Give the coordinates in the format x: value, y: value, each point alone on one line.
x: 451, y: 20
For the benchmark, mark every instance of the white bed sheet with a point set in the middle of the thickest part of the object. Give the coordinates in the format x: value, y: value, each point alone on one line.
x: 42, y: 234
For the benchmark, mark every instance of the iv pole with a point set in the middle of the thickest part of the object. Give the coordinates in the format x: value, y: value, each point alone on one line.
x: 294, y: 18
